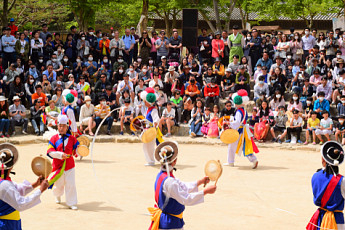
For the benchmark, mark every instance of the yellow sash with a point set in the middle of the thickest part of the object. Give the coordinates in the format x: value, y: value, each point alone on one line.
x: 328, y: 220
x: 159, y: 135
x: 247, y: 141
x: 156, y: 215
x: 12, y: 216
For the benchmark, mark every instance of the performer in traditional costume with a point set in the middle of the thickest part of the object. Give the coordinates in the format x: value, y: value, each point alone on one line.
x: 13, y: 197
x: 149, y: 98
x: 62, y: 147
x: 68, y: 110
x: 329, y: 190
x: 236, y: 43
x: 171, y: 194
x: 245, y: 143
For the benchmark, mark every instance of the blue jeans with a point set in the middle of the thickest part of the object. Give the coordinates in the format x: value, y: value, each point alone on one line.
x: 4, y: 125
x: 108, y: 121
x: 195, y: 127
x: 34, y: 124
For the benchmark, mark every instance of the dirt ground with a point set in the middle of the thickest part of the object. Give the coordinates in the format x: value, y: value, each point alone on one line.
x: 277, y: 195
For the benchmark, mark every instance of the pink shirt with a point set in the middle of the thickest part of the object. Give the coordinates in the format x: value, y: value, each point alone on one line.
x: 153, y: 47
x: 313, y: 79
x: 295, y: 106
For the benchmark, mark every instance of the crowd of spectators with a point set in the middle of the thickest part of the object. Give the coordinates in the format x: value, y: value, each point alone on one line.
x: 111, y: 70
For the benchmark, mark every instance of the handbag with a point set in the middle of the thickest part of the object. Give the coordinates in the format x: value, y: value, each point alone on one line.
x: 299, y: 52
x: 202, y: 48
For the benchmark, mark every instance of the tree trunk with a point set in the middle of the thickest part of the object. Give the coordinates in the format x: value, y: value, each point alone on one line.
x: 145, y: 12
x: 231, y: 8
x: 216, y: 12
x: 209, y: 23
x: 243, y: 19
x: 4, y: 13
x: 167, y: 23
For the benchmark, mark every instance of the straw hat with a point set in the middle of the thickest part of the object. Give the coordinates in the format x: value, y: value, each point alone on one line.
x: 8, y: 155
x: 170, y: 148
x: 87, y: 98
x: 41, y: 166
x: 15, y: 98
x: 171, y: 68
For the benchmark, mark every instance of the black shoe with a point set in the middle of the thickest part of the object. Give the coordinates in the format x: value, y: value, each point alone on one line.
x: 108, y: 133
x: 177, y: 125
x: 274, y: 139
x: 37, y: 133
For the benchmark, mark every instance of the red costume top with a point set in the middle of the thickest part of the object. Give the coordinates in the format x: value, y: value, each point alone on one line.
x: 55, y: 144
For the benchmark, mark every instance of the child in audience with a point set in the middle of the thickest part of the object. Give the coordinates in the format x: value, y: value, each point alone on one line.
x: 253, y: 119
x: 295, y: 127
x: 168, y: 117
x: 313, y: 123
x: 264, y: 114
x: 280, y: 124
x: 326, y: 126
x: 340, y: 131
x: 341, y: 106
x: 213, y: 131
x: 197, y: 114
x: 309, y: 106
x: 205, y: 121
x: 126, y: 114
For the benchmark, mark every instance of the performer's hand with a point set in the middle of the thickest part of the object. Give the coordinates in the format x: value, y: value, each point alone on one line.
x: 44, y: 185
x: 37, y: 182
x: 210, y: 189
x: 204, y: 181
x: 64, y: 156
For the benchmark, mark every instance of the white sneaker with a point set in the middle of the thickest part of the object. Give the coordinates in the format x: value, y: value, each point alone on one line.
x: 25, y: 133
x: 255, y: 164
x: 229, y: 164
x: 73, y: 207
x: 150, y: 164
x: 58, y: 200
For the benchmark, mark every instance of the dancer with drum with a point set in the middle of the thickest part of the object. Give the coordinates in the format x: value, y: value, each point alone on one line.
x: 328, y: 190
x: 68, y: 100
x: 152, y: 116
x: 13, y: 197
x: 62, y: 147
x: 171, y: 194
x: 245, y: 142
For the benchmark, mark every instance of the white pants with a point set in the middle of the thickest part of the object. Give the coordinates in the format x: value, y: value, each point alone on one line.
x: 323, y: 132
x: 149, y: 151
x: 67, y: 182
x: 232, y: 151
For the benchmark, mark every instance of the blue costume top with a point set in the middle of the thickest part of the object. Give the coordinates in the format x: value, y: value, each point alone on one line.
x: 319, y: 183
x: 171, y: 206
x: 243, y: 113
x: 6, y: 209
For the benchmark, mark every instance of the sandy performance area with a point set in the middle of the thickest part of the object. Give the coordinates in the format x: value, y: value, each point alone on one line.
x: 277, y: 195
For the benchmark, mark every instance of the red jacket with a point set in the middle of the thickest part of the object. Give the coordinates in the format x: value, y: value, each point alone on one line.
x: 208, y: 89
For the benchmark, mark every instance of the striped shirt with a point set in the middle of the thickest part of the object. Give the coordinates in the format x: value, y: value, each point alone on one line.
x: 104, y: 112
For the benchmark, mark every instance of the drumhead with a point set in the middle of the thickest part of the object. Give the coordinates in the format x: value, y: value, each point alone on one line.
x: 136, y: 124
x: 220, y: 121
x: 83, y: 150
x: 229, y: 136
x: 83, y: 140
x: 41, y: 166
x: 149, y: 135
x: 213, y: 169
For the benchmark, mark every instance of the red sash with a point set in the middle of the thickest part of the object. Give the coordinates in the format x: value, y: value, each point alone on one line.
x: 328, y: 193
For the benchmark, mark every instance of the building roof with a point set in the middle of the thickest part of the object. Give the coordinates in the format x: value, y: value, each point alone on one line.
x: 236, y: 15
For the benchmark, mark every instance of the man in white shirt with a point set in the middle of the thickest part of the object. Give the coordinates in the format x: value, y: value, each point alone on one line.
x: 123, y: 85
x: 308, y: 42
x: 172, y: 194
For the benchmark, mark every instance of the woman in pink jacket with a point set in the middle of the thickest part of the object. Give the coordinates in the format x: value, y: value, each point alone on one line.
x: 217, y: 46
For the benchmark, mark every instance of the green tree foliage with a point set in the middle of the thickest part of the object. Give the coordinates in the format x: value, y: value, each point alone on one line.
x: 31, y: 14
x: 119, y: 15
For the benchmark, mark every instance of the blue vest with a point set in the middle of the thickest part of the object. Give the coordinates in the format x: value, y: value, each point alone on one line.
x: 6, y: 209
x: 149, y: 116
x: 319, y: 183
x: 172, y: 206
x: 242, y: 112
